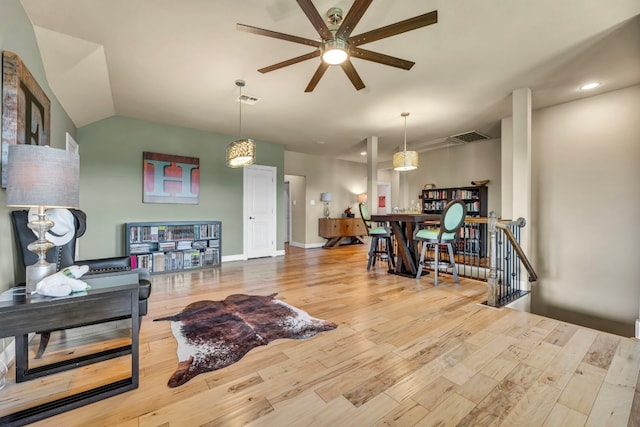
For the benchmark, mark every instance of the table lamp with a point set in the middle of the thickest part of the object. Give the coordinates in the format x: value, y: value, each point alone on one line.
x: 41, y: 177
x: 326, y: 198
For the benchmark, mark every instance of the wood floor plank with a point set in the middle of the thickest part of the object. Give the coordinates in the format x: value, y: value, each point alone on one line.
x: 405, y: 353
x: 583, y: 388
x: 561, y: 416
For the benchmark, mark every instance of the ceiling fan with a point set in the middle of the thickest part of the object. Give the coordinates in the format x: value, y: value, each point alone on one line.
x: 337, y: 46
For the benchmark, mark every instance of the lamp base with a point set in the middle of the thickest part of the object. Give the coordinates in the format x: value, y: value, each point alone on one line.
x: 36, y: 273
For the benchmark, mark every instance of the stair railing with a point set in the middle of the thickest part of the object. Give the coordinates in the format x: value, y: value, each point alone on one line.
x: 498, y: 290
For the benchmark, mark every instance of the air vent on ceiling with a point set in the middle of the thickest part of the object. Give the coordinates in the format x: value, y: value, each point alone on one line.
x: 248, y: 100
x: 472, y: 136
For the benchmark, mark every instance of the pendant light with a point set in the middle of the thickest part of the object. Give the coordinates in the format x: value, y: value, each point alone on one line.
x: 241, y: 152
x: 405, y: 160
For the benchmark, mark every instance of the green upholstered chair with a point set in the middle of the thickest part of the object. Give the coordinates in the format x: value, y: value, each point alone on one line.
x: 381, y: 240
x: 451, y: 220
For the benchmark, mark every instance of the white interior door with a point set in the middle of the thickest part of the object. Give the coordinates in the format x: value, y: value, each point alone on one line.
x: 259, y: 211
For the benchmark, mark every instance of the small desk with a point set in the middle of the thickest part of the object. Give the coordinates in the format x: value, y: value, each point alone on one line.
x: 22, y: 314
x: 402, y: 226
x: 338, y: 229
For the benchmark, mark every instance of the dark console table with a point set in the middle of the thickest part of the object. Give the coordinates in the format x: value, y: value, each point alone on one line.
x: 112, y: 295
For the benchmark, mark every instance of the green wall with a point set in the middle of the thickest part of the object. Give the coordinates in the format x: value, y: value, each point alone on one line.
x: 111, y: 182
x: 17, y: 35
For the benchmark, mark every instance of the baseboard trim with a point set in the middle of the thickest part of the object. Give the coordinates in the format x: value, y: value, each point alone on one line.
x: 231, y: 258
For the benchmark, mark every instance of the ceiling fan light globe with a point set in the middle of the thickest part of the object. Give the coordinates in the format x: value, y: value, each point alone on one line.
x: 334, y: 52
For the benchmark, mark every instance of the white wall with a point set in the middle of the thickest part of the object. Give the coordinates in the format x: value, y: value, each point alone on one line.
x: 457, y: 166
x: 343, y: 179
x: 297, y: 208
x: 586, y: 200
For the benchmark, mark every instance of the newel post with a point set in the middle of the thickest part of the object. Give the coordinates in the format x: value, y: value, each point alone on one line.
x: 492, y: 282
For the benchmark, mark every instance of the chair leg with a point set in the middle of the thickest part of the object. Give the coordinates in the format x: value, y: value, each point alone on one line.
x: 437, y: 267
x: 372, y: 252
x: 391, y: 261
x: 421, y: 263
x: 452, y: 261
x: 44, y: 341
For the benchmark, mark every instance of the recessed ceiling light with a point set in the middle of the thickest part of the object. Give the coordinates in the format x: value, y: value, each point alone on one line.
x: 320, y: 142
x: 589, y: 86
x: 363, y: 153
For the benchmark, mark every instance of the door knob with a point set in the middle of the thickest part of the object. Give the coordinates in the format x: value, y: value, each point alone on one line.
x: 251, y: 217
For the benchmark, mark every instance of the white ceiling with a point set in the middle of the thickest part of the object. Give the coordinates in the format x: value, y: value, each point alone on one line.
x: 176, y: 62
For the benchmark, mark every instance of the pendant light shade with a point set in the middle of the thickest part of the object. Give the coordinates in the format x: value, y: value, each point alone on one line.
x: 405, y: 160
x: 241, y: 152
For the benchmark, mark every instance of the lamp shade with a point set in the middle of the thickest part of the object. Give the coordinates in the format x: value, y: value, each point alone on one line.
x: 362, y: 198
x: 241, y: 153
x: 42, y: 176
x: 325, y: 197
x: 405, y: 160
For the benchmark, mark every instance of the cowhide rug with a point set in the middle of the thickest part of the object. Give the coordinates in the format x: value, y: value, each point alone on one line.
x: 215, y: 334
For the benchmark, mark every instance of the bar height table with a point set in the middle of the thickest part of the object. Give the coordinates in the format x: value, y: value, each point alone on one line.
x: 402, y: 226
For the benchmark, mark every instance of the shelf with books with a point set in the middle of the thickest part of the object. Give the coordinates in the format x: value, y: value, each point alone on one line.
x: 163, y: 247
x: 472, y: 235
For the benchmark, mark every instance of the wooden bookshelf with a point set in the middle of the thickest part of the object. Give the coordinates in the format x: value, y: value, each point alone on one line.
x: 163, y: 247
x: 472, y: 235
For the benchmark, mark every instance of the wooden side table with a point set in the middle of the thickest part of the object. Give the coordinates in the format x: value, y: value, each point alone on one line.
x: 22, y: 314
x: 338, y: 229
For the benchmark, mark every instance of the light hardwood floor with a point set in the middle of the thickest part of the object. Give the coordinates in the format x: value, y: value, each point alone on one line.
x: 405, y: 353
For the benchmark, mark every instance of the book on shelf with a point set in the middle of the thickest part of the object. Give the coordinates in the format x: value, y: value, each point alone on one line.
x: 134, y: 235
x: 158, y: 261
x: 199, y: 244
x: 167, y: 246
x: 195, y: 259
x: 162, y: 233
x: 139, y: 248
x: 145, y: 261
x: 184, y: 244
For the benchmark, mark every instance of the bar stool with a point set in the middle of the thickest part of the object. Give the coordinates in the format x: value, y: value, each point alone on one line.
x: 450, y: 222
x: 381, y: 241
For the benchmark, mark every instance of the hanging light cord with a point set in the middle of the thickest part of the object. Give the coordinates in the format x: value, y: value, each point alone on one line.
x: 240, y: 121
x: 405, y: 132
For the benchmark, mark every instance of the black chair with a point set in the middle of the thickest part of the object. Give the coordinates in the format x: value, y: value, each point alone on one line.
x: 64, y: 256
x: 381, y: 241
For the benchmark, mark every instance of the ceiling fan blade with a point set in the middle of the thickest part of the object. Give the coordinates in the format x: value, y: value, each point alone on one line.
x: 380, y: 58
x: 291, y: 61
x: 316, y: 20
x: 394, y: 29
x: 354, y: 15
x: 277, y: 35
x: 353, y: 75
x: 317, y: 76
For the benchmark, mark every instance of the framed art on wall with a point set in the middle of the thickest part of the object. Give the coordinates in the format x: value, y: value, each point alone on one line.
x: 26, y: 109
x: 170, y: 179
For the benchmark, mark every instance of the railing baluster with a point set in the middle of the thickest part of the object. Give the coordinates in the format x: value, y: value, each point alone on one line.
x: 489, y: 250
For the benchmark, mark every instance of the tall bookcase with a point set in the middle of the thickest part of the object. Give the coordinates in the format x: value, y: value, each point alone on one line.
x: 163, y: 247
x: 472, y: 235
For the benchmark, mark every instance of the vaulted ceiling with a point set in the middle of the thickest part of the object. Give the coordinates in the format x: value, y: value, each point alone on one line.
x: 176, y: 62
